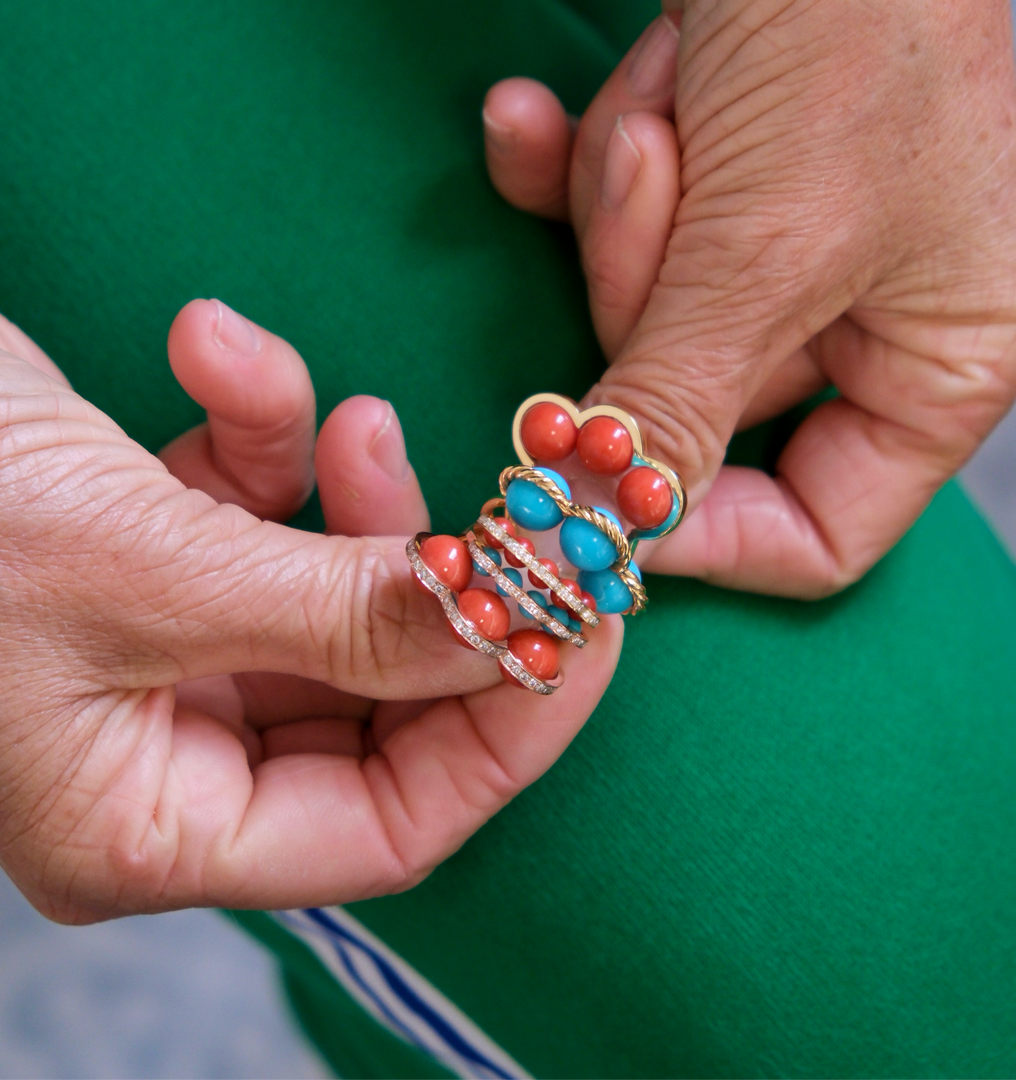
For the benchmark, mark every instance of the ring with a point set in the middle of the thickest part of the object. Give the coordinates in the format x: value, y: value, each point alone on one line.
x: 601, y: 478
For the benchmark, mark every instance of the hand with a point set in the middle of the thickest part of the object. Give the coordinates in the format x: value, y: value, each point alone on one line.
x: 118, y: 584
x: 846, y: 215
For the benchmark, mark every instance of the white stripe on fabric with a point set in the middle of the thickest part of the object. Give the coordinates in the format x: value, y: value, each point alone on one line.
x: 396, y: 996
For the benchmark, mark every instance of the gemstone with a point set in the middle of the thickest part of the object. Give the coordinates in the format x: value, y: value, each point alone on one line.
x: 514, y: 577
x: 664, y: 527
x: 448, y: 559
x: 604, y: 446
x: 531, y: 507
x: 537, y: 598
x: 486, y: 611
x: 536, y: 651
x: 645, y: 498
x: 547, y: 564
x: 610, y: 593
x: 607, y: 589
x: 548, y: 432
x: 505, y: 524
x: 493, y: 555
x: 589, y: 602
x: 560, y: 614
x: 527, y: 544
x: 569, y: 586
x: 585, y: 546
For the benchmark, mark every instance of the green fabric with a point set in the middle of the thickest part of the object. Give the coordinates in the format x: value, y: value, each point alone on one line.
x: 784, y: 844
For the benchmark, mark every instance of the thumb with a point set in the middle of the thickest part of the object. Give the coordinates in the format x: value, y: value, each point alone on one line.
x: 749, y: 277
x: 231, y: 593
x: 775, y: 232
x: 143, y: 582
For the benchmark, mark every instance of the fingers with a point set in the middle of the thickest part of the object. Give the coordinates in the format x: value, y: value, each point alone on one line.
x: 366, y: 483
x: 139, y: 581
x: 847, y: 487
x: 528, y: 142
x: 270, y: 698
x: 747, y: 279
x: 798, y: 378
x: 240, y: 595
x: 529, y: 137
x: 644, y: 81
x: 256, y: 448
x: 629, y: 223
x: 857, y: 473
x: 623, y: 184
x: 321, y: 828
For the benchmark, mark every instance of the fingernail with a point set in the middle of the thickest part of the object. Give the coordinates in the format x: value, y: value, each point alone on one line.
x: 233, y: 332
x: 621, y: 165
x: 504, y: 139
x: 388, y: 449
x: 653, y: 70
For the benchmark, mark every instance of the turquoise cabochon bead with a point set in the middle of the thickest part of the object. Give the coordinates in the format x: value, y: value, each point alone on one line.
x: 560, y: 614
x: 514, y: 577
x: 584, y: 546
x: 611, y: 594
x: 538, y: 598
x: 531, y: 507
x: 493, y: 554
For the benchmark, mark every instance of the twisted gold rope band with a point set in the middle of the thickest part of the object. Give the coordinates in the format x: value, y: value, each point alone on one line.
x: 587, y: 513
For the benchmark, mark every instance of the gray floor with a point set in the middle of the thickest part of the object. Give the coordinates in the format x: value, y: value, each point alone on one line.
x: 990, y: 480
x: 180, y: 995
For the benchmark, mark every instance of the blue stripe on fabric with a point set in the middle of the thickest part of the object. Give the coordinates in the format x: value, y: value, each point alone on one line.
x: 406, y: 994
x: 366, y: 988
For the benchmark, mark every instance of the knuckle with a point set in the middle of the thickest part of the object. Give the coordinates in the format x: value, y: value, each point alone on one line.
x: 367, y: 587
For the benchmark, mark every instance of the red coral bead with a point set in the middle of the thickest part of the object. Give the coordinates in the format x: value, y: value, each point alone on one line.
x: 448, y: 559
x: 487, y: 612
x: 570, y: 586
x: 548, y: 432
x: 645, y: 498
x: 536, y: 651
x: 547, y: 564
x: 604, y: 446
x: 514, y: 560
x: 509, y: 528
x: 589, y: 602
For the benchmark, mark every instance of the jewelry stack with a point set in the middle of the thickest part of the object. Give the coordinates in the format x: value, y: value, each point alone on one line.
x: 576, y: 512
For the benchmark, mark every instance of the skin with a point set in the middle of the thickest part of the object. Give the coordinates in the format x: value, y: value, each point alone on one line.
x: 788, y: 194
x: 190, y: 712
x: 779, y: 196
